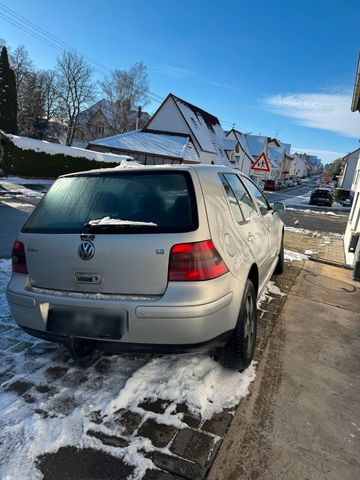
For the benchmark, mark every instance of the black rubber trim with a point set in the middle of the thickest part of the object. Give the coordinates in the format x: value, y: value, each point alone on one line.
x: 114, y: 347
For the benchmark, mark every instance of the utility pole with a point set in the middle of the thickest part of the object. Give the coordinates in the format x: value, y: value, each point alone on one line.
x: 138, y: 117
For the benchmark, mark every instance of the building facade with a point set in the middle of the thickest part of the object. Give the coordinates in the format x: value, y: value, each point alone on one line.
x: 100, y: 120
x: 177, y: 130
x: 346, y: 177
x: 352, y: 232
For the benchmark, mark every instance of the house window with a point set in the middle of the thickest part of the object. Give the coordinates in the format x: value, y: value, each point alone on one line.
x: 194, y: 122
x: 237, y: 148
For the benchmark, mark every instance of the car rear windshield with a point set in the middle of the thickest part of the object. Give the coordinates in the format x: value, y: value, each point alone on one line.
x: 120, y: 202
x: 322, y: 194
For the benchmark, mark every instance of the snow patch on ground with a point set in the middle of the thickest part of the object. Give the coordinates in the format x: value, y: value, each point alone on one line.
x: 291, y: 256
x: 23, y: 207
x: 310, y: 252
x: 265, y: 297
x: 315, y: 212
x: 314, y: 233
x: 198, y: 381
x: 25, y: 181
x: 26, y: 143
x: 19, y: 191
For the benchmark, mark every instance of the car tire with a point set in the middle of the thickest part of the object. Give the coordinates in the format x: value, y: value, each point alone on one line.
x: 238, y: 353
x: 279, y: 269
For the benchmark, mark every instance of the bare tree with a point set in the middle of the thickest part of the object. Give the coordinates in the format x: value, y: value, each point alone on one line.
x: 125, y: 90
x: 30, y: 106
x: 21, y: 64
x: 76, y: 89
x: 49, y: 84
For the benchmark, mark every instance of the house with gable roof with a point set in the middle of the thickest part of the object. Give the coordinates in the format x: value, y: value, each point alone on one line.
x: 276, y: 153
x: 175, y: 122
x: 99, y: 121
x: 242, y: 156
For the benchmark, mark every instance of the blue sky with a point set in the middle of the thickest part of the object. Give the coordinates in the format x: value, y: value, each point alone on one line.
x: 270, y: 67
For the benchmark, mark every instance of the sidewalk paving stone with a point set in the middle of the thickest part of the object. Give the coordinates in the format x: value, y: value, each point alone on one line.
x: 323, y: 245
x: 160, y: 475
x: 111, y: 440
x: 176, y: 465
x: 159, y: 434
x: 130, y: 421
x: 193, y: 445
x: 218, y: 424
x: 87, y: 463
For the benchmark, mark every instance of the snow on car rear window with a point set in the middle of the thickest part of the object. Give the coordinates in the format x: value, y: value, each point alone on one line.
x: 151, y: 201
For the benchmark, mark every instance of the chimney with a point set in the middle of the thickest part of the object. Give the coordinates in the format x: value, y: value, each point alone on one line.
x: 138, y: 116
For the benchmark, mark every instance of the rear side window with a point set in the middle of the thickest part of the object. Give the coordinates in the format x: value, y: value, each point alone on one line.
x: 121, y: 202
x: 322, y: 194
x: 234, y: 206
x: 244, y: 201
x: 261, y: 201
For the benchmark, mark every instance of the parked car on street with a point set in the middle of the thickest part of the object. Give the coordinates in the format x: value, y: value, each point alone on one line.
x: 270, y: 185
x: 289, y: 183
x: 281, y: 184
x: 321, y: 196
x: 149, y: 259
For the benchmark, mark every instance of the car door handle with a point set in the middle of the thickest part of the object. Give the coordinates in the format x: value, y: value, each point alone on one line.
x: 251, y: 237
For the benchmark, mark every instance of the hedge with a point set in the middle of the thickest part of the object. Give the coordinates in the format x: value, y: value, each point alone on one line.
x: 28, y: 163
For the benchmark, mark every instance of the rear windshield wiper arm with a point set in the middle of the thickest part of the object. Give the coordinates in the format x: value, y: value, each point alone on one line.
x: 117, y: 226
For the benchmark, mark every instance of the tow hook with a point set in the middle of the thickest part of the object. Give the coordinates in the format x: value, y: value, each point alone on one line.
x: 81, y: 351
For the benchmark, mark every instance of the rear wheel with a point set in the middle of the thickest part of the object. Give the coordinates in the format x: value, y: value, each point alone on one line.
x: 279, y: 269
x: 238, y: 353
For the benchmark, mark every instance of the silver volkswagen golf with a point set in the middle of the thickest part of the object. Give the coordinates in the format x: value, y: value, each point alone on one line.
x: 166, y: 259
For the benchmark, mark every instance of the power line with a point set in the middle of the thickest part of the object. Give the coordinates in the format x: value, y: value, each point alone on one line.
x: 49, y: 39
x: 55, y: 42
x: 48, y: 36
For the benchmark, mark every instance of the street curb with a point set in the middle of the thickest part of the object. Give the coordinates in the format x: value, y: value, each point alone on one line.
x: 331, y: 263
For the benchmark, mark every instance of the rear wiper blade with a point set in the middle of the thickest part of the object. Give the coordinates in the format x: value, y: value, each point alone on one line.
x: 118, y: 226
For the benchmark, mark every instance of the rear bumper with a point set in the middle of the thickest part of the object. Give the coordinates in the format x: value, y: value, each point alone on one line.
x: 114, y: 347
x: 327, y: 203
x: 186, y: 318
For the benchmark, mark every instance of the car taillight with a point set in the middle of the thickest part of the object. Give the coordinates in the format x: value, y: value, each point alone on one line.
x: 191, y: 262
x: 18, y: 258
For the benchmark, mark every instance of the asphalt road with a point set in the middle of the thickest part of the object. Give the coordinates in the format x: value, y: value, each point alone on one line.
x: 289, y: 193
x: 315, y: 221
x: 11, y: 220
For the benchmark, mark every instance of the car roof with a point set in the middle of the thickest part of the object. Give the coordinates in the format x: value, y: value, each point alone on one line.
x: 139, y: 167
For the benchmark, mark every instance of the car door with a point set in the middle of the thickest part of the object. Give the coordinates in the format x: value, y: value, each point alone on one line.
x: 249, y: 222
x: 270, y: 219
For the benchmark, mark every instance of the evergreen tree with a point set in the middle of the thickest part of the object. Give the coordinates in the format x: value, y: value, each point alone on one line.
x: 8, y: 96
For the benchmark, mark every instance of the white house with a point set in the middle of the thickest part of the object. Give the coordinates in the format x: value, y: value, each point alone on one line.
x: 101, y: 120
x: 348, y: 172
x: 179, y: 116
x: 298, y: 167
x: 276, y: 153
x: 243, y: 157
x: 149, y: 148
x: 352, y: 232
x: 178, y: 131
x: 353, y: 225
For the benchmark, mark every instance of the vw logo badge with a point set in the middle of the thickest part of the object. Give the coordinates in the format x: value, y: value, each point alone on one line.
x: 86, y: 250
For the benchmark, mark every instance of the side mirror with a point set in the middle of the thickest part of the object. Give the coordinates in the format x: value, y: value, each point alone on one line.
x: 279, y: 207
